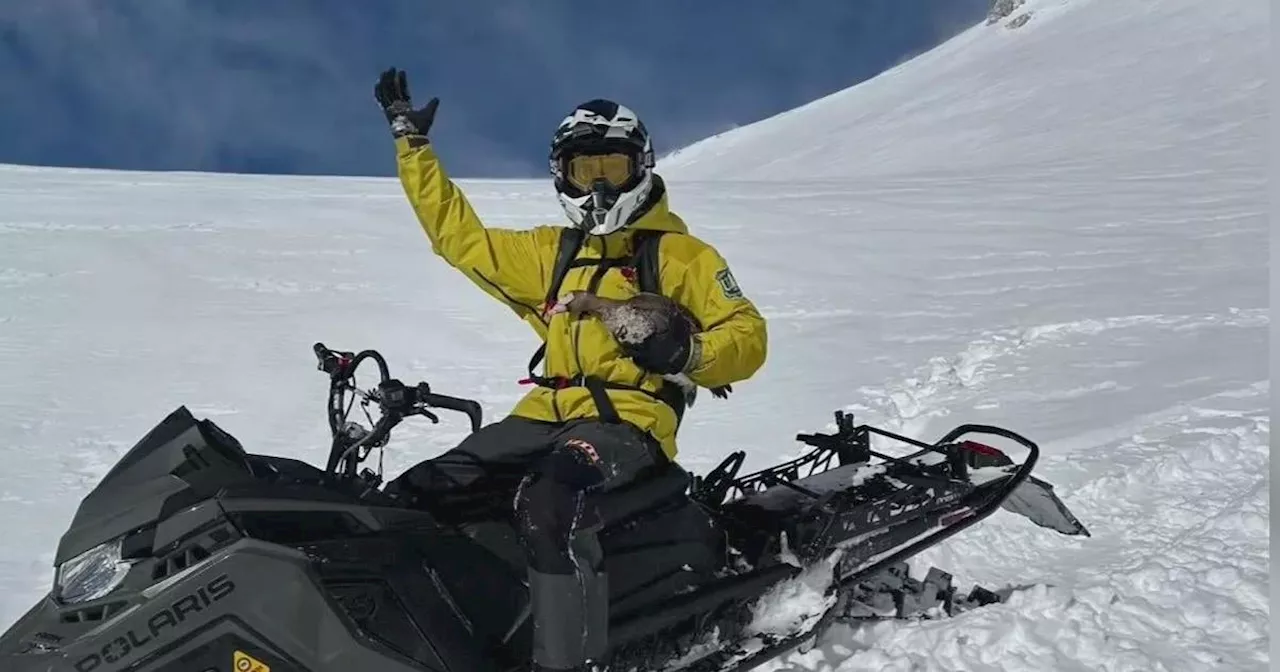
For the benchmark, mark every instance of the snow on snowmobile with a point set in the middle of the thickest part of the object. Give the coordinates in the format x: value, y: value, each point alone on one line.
x: 193, y: 555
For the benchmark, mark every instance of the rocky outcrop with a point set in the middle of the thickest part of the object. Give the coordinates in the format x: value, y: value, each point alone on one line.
x: 1002, y: 9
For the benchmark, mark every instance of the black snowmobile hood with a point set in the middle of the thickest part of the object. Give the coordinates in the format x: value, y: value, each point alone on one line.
x: 180, y: 462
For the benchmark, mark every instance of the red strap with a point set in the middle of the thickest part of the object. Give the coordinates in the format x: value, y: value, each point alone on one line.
x: 981, y: 448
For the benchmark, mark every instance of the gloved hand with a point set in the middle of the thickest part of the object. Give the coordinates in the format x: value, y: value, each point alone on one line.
x: 392, y: 93
x: 668, y: 350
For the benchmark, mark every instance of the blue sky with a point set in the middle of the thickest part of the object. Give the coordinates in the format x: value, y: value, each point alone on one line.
x: 286, y: 86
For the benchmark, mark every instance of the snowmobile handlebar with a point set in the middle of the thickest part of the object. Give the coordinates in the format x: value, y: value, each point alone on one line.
x: 443, y: 401
x: 391, y: 394
x: 394, y: 399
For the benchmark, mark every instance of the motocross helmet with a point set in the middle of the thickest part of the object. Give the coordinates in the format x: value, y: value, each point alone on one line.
x: 602, y: 162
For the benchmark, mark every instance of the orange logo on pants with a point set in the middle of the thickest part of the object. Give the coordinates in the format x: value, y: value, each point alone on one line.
x: 584, y: 448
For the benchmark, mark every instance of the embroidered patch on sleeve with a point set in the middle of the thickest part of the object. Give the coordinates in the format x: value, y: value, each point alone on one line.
x: 728, y: 284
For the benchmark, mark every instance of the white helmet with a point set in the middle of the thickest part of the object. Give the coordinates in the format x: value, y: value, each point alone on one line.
x: 602, y: 162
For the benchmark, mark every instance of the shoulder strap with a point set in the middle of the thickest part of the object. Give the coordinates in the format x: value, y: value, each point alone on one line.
x: 571, y: 238
x: 647, y: 262
x: 570, y: 242
x: 647, y: 245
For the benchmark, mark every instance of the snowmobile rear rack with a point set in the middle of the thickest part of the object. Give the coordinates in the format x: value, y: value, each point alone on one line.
x: 845, y: 495
x: 851, y: 444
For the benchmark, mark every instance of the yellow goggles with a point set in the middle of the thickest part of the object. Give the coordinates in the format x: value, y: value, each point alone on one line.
x: 584, y: 169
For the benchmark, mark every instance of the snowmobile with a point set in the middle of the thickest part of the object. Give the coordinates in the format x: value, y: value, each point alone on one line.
x: 193, y: 555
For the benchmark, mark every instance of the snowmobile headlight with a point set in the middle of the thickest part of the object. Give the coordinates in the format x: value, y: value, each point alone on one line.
x: 92, y: 574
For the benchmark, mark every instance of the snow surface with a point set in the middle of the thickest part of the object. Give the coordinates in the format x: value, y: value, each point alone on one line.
x: 1060, y: 228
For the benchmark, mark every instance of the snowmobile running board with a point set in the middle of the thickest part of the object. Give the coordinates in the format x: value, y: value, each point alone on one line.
x: 891, y: 594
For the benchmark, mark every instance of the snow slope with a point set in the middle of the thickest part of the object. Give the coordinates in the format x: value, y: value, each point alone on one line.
x: 1089, y: 85
x: 1061, y: 228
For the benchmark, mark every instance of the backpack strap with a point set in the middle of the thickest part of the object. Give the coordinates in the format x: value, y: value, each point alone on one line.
x: 647, y: 264
x: 646, y: 261
x: 646, y: 244
x: 571, y: 238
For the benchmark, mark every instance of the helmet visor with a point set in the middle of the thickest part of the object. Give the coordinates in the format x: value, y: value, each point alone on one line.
x: 584, y: 170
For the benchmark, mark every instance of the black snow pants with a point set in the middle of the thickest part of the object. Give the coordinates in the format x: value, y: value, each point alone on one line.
x: 562, y: 463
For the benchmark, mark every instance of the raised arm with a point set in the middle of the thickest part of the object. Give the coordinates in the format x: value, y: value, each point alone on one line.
x: 507, y: 264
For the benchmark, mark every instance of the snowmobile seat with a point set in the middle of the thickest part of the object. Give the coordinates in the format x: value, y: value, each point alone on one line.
x: 663, y: 484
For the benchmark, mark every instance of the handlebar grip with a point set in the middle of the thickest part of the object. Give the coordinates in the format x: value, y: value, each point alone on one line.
x: 332, y: 362
x: 470, y: 408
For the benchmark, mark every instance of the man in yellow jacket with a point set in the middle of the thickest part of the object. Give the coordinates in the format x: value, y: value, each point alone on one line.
x: 602, y: 411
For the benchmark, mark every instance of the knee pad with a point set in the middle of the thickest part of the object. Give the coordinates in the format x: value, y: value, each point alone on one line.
x: 551, y: 497
x: 544, y: 504
x: 556, y: 523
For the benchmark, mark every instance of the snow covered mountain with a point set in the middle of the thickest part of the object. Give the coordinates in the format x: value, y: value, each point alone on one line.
x: 1060, y: 227
x: 1101, y: 87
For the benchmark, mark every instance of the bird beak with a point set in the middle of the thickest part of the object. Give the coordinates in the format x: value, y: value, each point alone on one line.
x: 574, y: 303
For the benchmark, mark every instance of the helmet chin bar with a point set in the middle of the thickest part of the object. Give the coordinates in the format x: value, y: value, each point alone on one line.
x: 602, y: 200
x: 597, y: 218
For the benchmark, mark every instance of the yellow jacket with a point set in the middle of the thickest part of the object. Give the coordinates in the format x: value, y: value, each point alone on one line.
x: 514, y: 266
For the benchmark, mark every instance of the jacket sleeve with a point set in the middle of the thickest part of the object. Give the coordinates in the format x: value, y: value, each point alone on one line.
x: 734, y: 339
x: 507, y: 264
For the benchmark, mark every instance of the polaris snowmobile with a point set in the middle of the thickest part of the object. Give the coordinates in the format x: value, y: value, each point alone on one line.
x: 193, y: 555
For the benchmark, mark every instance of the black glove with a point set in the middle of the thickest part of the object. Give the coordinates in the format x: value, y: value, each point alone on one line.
x: 392, y: 93
x: 666, y: 350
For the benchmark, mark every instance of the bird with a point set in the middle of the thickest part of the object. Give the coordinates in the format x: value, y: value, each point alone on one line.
x: 634, y: 319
